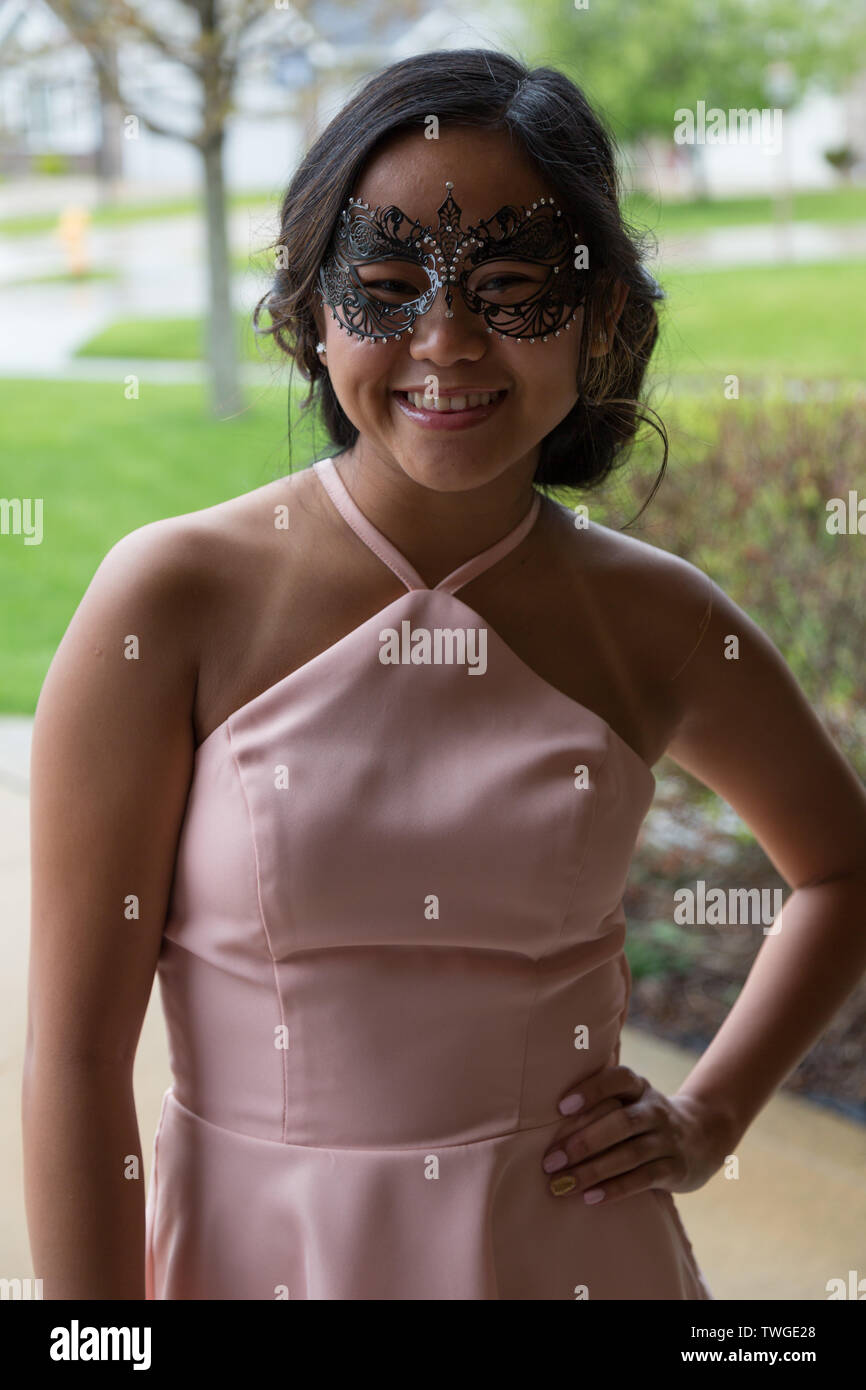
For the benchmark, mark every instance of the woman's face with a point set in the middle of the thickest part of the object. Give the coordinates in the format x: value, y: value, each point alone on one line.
x: 539, y: 379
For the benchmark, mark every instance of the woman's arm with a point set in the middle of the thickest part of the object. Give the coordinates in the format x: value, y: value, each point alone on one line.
x: 744, y: 728
x: 747, y: 731
x: 110, y: 769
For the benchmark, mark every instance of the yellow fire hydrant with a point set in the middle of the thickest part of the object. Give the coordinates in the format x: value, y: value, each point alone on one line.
x: 72, y: 229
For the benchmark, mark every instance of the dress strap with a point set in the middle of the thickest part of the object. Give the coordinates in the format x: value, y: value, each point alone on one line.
x: 391, y: 556
x: 479, y: 563
x: 352, y: 514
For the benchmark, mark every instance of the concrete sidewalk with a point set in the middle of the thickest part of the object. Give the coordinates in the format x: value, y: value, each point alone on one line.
x: 794, y: 1218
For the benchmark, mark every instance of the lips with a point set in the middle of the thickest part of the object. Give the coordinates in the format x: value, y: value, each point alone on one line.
x: 449, y: 411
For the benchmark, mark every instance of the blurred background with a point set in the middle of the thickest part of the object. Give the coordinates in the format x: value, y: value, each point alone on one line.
x: 144, y: 149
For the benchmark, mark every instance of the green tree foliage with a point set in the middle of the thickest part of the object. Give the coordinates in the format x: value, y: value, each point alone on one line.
x: 639, y: 62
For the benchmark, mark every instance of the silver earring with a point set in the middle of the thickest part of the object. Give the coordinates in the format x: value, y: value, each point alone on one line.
x: 320, y: 347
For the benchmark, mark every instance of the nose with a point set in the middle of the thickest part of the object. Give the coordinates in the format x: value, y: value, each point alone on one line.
x: 447, y: 335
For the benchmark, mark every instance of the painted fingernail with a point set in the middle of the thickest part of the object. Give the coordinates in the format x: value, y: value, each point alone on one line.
x: 593, y: 1195
x: 570, y: 1104
x: 557, y: 1159
x: 561, y: 1185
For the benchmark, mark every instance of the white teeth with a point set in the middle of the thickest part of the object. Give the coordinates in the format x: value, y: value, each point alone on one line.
x: 446, y: 404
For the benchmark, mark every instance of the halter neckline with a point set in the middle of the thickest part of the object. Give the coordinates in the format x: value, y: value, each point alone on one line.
x: 391, y: 556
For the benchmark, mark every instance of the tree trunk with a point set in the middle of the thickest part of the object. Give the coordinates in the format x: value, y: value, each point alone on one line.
x: 225, y: 392
x: 698, y: 169
x: 109, y: 155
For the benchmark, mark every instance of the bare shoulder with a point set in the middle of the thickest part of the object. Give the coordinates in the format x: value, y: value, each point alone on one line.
x: 654, y: 604
x: 738, y: 720
x: 194, y: 553
x: 149, y: 608
x: 192, y: 565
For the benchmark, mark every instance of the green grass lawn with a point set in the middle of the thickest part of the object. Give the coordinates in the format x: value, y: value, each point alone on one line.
x: 64, y: 277
x: 707, y: 214
x: 104, y: 465
x: 796, y: 319
x: 180, y: 339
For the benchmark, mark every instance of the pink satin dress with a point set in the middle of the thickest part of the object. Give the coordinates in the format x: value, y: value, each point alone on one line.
x: 394, y: 940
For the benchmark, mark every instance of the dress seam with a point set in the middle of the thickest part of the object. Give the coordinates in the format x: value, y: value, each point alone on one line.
x: 587, y: 842
x: 565, y: 915
x: 149, y: 1259
x: 262, y: 919
x: 427, y: 1146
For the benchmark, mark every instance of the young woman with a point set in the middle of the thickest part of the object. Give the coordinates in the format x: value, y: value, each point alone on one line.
x: 359, y: 759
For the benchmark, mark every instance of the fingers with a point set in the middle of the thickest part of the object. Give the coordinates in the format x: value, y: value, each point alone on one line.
x: 612, y: 1137
x: 595, y: 1112
x: 610, y: 1081
x: 584, y: 1119
x: 626, y: 1122
x: 657, y: 1173
x: 608, y: 1124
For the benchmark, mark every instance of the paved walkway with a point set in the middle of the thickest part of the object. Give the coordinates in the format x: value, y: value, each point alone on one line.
x: 160, y: 271
x: 160, y: 371
x: 794, y: 1218
x: 764, y: 244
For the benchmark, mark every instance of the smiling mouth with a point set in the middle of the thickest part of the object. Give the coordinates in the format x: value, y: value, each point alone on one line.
x: 449, y: 405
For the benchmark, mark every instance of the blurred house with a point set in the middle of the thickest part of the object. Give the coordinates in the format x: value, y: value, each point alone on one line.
x: 55, y: 119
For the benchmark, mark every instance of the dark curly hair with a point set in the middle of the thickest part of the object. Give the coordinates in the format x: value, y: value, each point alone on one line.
x: 561, y: 134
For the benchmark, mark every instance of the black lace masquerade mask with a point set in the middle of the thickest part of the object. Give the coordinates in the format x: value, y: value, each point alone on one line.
x: 538, y: 295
